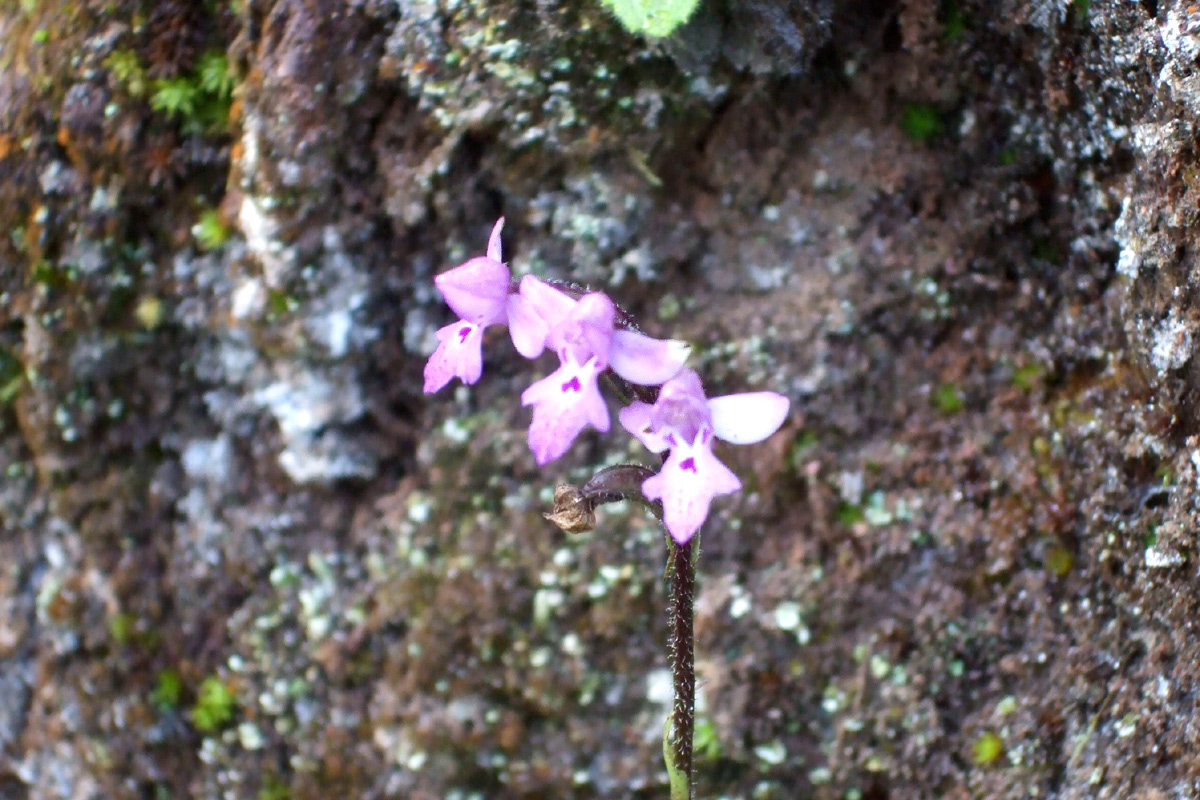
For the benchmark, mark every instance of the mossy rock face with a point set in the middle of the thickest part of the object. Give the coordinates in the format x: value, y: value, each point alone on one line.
x: 245, y: 556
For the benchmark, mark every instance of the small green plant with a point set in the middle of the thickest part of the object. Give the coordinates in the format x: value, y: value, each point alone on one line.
x: 12, y: 377
x: 149, y: 312
x: 850, y: 514
x: 128, y: 71
x: 167, y: 690
x: 274, y: 789
x: 1028, y: 377
x: 954, y: 26
x: 213, y: 74
x: 203, y: 100
x: 1059, y: 561
x: 121, y: 628
x: 947, y: 399
x: 707, y: 743
x: 214, y: 707
x: 175, y: 97
x: 921, y: 122
x: 653, y: 18
x: 988, y: 749
x: 210, y: 231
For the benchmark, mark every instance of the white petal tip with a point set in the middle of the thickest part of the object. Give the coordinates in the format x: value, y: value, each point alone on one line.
x: 679, y: 350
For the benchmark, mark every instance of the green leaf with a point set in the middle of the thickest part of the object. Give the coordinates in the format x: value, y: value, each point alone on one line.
x: 653, y: 18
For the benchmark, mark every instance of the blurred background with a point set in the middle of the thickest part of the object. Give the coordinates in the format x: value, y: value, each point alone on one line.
x: 242, y: 556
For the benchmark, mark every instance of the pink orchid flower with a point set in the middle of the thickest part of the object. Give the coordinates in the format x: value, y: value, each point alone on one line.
x: 683, y: 421
x: 583, y: 334
x: 478, y: 292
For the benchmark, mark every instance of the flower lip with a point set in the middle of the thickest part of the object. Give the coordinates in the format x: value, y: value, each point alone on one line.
x: 683, y: 421
x: 564, y: 403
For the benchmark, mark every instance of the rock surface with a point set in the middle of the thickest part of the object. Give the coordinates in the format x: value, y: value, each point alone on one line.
x: 245, y: 557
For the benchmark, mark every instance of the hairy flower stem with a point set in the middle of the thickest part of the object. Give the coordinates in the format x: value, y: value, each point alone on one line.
x: 575, y: 512
x: 683, y: 660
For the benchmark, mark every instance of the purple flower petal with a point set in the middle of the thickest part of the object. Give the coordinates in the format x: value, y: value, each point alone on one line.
x: 458, y: 354
x: 689, y: 480
x: 586, y: 331
x: 564, y: 403
x: 525, y: 325
x: 747, y: 418
x: 636, y: 418
x: 493, y: 249
x: 549, y: 303
x: 476, y: 290
x: 680, y: 409
x: 641, y: 359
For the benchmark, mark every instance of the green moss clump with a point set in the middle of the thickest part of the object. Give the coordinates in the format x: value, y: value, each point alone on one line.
x: 849, y: 514
x: 1059, y: 561
x: 654, y: 18
x: 12, y: 377
x: 921, y: 122
x: 706, y: 743
x: 210, y: 231
x: 274, y: 789
x: 954, y: 26
x: 129, y: 72
x: 202, y: 101
x: 214, y: 707
x: 1027, y: 378
x: 947, y: 399
x: 987, y: 749
x: 175, y: 97
x: 213, y: 75
x: 120, y: 628
x: 149, y: 312
x: 167, y: 690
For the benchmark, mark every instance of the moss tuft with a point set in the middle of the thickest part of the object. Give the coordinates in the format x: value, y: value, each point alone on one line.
x: 210, y: 231
x: 214, y: 706
x: 987, y: 749
x: 947, y: 399
x: 167, y: 691
x: 921, y: 122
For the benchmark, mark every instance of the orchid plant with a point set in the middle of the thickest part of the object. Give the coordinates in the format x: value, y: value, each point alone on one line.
x: 669, y: 414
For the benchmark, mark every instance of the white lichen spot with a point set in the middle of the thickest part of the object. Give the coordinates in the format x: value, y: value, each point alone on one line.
x: 1161, y: 558
x: 545, y: 601
x: 1126, y: 726
x: 208, y: 459
x: 740, y: 605
x: 572, y: 645
x: 771, y: 753
x: 249, y: 300
x: 260, y: 230
x: 308, y: 407
x: 250, y: 737
x: 787, y: 616
x: 1172, y: 343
